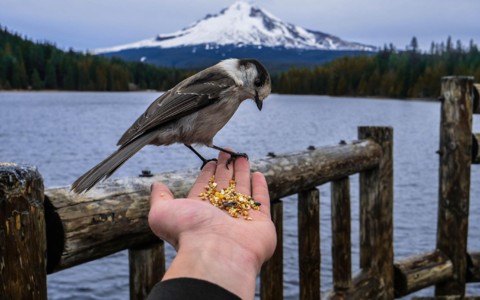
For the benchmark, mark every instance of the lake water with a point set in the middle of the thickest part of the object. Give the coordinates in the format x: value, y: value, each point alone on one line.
x: 66, y: 133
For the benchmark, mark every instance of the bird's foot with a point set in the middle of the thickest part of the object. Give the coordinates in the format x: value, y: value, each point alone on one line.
x: 206, y: 161
x: 234, y: 156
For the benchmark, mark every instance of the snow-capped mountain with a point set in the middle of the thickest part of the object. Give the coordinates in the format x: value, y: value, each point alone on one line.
x: 243, y: 24
x: 241, y: 30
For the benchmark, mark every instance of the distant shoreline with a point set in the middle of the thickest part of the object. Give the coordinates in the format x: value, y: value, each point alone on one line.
x: 75, y: 91
x: 158, y: 91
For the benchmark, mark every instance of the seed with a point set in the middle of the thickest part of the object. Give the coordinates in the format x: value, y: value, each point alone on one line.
x: 236, y: 204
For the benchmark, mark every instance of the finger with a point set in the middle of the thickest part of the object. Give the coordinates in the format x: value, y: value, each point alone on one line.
x: 158, y: 213
x: 260, y: 192
x: 222, y: 174
x: 242, y: 176
x: 160, y: 192
x: 202, y: 180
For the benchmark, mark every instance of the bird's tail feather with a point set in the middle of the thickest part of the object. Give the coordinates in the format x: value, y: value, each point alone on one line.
x: 106, y: 168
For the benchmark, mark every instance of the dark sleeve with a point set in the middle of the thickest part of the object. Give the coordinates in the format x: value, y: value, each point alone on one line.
x: 189, y: 288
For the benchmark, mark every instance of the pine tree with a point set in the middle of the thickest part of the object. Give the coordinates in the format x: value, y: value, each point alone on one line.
x: 35, y: 81
x: 50, y: 76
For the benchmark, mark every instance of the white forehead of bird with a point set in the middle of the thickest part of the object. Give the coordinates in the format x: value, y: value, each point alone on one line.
x: 243, y: 76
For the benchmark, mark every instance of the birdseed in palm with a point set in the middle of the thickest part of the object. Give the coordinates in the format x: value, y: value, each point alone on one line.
x: 236, y: 204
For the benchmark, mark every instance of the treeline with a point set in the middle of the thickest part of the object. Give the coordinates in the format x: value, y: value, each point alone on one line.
x: 38, y: 66
x: 390, y: 73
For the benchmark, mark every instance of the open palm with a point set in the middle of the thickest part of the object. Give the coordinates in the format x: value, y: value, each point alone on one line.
x: 191, y: 224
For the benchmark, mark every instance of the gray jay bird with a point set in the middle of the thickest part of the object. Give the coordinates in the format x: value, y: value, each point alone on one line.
x: 190, y: 113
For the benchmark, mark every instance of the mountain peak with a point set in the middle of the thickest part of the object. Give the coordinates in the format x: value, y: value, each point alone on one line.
x: 237, y: 8
x: 240, y: 6
x: 243, y: 24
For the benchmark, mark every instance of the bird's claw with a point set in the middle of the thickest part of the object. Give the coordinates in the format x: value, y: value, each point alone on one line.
x: 206, y: 161
x: 234, y: 156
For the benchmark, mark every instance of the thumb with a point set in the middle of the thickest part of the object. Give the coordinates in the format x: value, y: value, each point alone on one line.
x: 160, y: 192
x: 158, y: 215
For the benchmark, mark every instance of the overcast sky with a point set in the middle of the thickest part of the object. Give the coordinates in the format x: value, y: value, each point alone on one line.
x: 90, y: 24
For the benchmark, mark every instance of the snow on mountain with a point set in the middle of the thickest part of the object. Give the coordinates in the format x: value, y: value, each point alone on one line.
x: 244, y: 24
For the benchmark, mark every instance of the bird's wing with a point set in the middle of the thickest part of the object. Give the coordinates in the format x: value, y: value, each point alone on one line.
x: 187, y: 97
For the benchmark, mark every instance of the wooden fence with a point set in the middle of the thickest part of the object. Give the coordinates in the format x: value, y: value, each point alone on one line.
x: 45, y: 231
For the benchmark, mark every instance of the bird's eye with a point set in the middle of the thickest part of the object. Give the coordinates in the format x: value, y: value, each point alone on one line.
x: 257, y: 82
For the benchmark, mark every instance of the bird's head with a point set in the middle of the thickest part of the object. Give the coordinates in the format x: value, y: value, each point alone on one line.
x: 257, y: 80
x: 252, y: 76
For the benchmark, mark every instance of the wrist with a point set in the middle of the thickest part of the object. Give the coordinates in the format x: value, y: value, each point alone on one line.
x: 217, y: 260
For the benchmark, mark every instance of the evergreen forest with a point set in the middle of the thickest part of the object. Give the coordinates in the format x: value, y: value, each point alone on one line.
x: 391, y: 73
x: 43, y: 66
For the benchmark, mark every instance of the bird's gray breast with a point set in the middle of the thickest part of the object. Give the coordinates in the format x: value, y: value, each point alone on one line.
x: 200, y: 127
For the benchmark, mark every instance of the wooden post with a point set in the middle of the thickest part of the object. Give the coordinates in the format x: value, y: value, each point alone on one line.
x: 341, y: 235
x: 376, y: 209
x: 22, y: 233
x: 476, y: 148
x: 473, y: 272
x: 271, y: 275
x: 366, y: 285
x: 454, y: 180
x: 476, y: 98
x: 420, y: 271
x: 147, y: 267
x: 309, y: 243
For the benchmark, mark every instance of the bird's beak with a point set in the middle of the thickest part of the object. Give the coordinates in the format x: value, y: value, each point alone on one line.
x: 258, y: 101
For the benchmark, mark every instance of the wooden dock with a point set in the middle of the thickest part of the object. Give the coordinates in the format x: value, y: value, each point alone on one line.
x: 43, y: 231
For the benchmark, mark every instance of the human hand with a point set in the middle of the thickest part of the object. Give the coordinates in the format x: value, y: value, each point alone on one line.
x: 210, y: 244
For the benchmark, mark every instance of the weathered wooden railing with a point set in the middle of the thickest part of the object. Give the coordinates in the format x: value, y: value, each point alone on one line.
x: 449, y: 267
x: 46, y: 231
x: 74, y: 229
x: 372, y: 158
